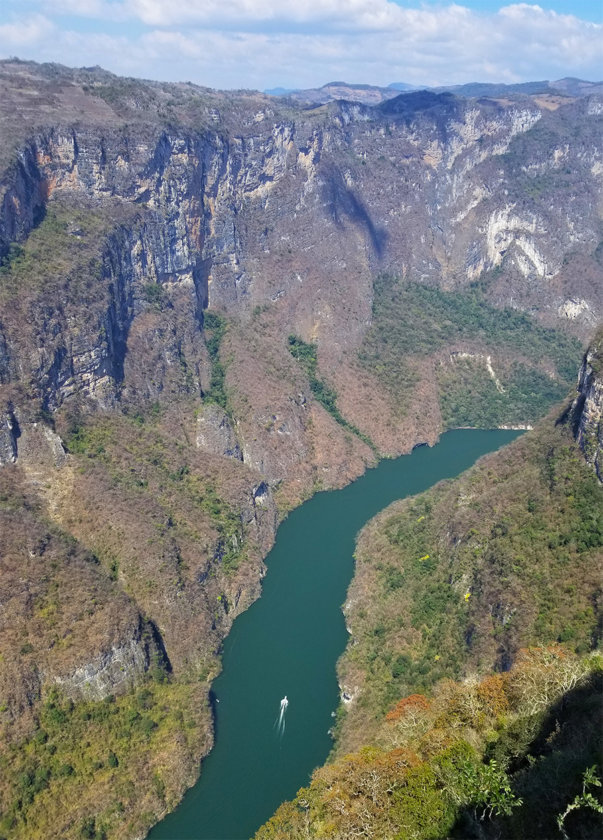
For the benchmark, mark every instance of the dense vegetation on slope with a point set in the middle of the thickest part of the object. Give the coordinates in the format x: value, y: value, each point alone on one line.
x: 120, y: 759
x: 412, y: 321
x: 459, y: 578
x: 151, y: 470
x: 512, y: 756
x: 306, y: 355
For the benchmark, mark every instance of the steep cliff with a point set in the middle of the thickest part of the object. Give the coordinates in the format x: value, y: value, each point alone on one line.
x: 281, y: 218
x: 587, y: 408
x: 214, y: 304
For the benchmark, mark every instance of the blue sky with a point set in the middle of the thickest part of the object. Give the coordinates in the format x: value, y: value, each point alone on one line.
x: 265, y: 43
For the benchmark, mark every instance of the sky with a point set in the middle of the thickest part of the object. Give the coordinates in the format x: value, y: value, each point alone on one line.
x: 268, y: 43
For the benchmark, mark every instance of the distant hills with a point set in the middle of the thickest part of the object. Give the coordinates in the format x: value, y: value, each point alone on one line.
x: 373, y: 94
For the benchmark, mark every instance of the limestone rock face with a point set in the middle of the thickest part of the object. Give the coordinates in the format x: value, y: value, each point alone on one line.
x: 113, y: 671
x: 8, y: 439
x: 587, y: 408
x: 39, y: 447
x: 63, y: 621
x: 277, y: 218
x: 215, y: 432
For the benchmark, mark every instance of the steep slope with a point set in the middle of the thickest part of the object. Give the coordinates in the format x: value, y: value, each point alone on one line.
x: 459, y: 582
x: 511, y: 756
x: 72, y: 641
x: 586, y: 412
x: 197, y: 292
x: 458, y: 579
x: 283, y: 218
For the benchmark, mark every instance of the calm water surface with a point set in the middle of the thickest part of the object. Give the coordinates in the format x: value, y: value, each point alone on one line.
x: 287, y: 644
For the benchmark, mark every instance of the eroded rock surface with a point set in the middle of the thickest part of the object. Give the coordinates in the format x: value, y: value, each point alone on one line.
x: 587, y: 408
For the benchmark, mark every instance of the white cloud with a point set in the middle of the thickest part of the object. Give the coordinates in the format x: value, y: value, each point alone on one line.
x: 23, y: 33
x: 212, y: 13
x: 99, y: 9
x: 261, y: 43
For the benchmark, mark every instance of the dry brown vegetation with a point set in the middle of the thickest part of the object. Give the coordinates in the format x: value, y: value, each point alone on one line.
x: 126, y: 207
x: 62, y: 762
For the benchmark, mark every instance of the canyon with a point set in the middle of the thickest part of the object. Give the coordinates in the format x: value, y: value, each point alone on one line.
x: 212, y: 305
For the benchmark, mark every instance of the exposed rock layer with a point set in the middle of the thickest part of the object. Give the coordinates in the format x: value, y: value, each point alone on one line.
x: 587, y: 408
x: 127, y: 210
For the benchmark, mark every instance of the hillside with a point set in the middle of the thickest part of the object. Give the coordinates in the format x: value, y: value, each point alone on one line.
x: 511, y: 756
x: 493, y: 579
x: 212, y: 305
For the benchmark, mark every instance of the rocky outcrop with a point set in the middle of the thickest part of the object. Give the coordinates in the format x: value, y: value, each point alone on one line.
x: 259, y: 208
x: 112, y: 671
x: 215, y: 433
x: 362, y: 184
x: 587, y: 408
x: 62, y: 620
x: 8, y: 438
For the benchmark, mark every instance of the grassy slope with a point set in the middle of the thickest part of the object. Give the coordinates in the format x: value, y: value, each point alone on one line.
x: 457, y: 579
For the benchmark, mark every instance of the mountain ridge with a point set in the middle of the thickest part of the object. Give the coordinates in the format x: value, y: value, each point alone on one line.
x: 214, y: 305
x: 373, y: 94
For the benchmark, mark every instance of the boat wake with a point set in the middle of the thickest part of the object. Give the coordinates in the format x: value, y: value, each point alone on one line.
x: 279, y: 723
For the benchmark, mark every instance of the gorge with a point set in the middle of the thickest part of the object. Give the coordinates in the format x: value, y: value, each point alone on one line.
x: 212, y: 306
x: 290, y: 640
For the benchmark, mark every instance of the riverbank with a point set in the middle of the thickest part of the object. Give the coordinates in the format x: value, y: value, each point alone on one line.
x: 287, y: 643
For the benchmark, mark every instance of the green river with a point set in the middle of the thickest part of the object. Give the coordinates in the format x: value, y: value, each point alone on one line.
x: 287, y: 644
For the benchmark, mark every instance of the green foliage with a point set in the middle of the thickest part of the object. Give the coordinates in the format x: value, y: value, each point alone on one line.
x: 214, y: 326
x: 89, y: 743
x: 582, y: 800
x: 154, y: 294
x: 411, y: 321
x: 140, y: 460
x: 469, y: 396
x: 64, y: 249
x: 490, y: 788
x: 306, y: 355
x: 503, y: 557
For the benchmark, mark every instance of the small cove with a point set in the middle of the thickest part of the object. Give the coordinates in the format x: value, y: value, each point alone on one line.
x: 287, y: 644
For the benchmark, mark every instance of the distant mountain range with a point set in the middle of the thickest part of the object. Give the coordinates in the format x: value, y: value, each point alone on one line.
x: 372, y: 94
